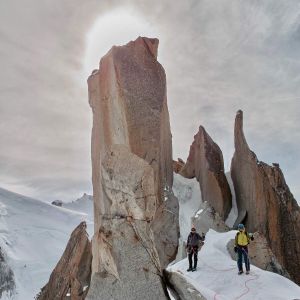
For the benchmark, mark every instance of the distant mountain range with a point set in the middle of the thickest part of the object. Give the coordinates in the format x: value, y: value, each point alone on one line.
x: 33, y: 236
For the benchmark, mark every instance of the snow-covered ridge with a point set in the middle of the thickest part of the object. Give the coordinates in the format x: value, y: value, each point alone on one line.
x: 83, y: 204
x: 216, y: 277
x: 34, y: 235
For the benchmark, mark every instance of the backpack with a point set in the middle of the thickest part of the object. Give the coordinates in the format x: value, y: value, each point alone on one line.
x: 248, y: 238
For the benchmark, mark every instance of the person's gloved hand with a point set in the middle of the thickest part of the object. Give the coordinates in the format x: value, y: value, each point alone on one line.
x: 235, y: 249
x: 251, y: 236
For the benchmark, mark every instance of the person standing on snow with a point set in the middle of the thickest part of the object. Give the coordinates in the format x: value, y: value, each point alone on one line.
x: 192, y: 248
x: 242, y: 240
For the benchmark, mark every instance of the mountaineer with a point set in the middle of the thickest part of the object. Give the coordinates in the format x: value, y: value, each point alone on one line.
x: 242, y: 240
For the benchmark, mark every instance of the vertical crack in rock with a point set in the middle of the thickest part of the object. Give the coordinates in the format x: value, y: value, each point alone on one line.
x: 128, y: 97
x: 127, y: 264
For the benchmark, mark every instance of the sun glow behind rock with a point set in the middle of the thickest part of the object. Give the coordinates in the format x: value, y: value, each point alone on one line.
x: 116, y: 27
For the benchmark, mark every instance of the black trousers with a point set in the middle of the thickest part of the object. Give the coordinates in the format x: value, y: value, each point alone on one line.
x: 243, y: 253
x: 193, y: 252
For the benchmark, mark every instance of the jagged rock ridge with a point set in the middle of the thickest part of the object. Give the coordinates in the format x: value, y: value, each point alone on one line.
x: 72, y: 273
x: 265, y: 202
x: 205, y: 162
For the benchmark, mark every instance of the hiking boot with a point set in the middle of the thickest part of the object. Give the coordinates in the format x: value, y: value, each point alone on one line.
x: 194, y: 269
x: 247, y: 272
x: 240, y: 272
x: 190, y: 269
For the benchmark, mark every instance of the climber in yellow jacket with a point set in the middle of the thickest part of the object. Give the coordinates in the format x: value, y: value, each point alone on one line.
x: 242, y: 240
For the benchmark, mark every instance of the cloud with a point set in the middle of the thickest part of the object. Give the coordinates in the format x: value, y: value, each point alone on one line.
x: 219, y: 56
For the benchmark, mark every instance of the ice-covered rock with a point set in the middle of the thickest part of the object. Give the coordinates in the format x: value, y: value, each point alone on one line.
x: 207, y: 218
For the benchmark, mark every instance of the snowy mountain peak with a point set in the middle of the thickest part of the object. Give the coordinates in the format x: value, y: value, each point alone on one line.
x: 33, y: 237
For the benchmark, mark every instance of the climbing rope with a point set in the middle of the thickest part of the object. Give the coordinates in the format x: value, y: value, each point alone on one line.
x: 245, y: 283
x: 246, y: 286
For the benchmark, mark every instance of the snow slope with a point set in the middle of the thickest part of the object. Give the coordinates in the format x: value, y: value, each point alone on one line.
x: 84, y: 204
x: 216, y: 277
x: 34, y: 235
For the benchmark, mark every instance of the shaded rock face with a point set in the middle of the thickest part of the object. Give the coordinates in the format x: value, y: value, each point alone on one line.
x: 166, y: 229
x: 128, y: 98
x: 7, y: 278
x: 265, y: 201
x: 180, y: 288
x: 72, y: 273
x: 207, y: 218
x: 129, y: 266
x: 261, y: 255
x: 205, y: 162
x: 249, y: 181
x: 178, y: 165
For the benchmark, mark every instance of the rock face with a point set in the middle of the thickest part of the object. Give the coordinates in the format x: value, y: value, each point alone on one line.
x: 181, y: 289
x: 129, y: 103
x: 265, y: 202
x: 205, y: 162
x: 7, y: 278
x: 178, y: 165
x: 261, y: 255
x: 129, y: 264
x: 72, y: 273
x: 128, y: 98
x: 207, y: 218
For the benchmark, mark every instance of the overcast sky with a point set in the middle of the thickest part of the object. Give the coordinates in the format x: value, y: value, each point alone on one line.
x: 219, y: 56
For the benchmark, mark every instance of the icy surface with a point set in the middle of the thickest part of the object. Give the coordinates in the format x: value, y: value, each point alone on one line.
x: 34, y: 235
x: 234, y: 211
x: 216, y: 277
x: 198, y: 213
x: 189, y: 196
